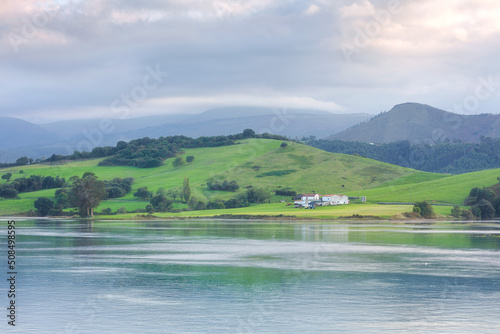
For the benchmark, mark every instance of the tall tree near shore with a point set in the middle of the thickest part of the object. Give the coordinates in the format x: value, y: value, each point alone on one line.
x: 424, y: 209
x: 186, y: 190
x: 88, y: 192
x: 44, y: 205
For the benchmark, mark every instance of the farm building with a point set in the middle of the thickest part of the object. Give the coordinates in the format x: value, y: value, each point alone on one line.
x: 305, y: 199
x: 335, y: 199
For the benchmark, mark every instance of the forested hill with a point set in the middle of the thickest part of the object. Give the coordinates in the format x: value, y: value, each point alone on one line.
x: 146, y: 152
x: 420, y: 123
x: 448, y: 157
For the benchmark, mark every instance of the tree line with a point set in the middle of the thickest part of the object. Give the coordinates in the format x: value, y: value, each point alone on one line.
x: 85, y: 194
x: 447, y: 157
x: 163, y: 200
x: 146, y: 152
x: 12, y: 188
x: 484, y: 203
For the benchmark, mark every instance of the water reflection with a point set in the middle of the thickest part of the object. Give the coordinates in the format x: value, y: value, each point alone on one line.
x: 257, y: 277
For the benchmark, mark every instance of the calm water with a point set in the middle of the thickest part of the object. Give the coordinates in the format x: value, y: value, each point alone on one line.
x: 254, y: 277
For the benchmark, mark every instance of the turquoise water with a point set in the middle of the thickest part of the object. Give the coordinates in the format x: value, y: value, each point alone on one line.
x: 255, y: 277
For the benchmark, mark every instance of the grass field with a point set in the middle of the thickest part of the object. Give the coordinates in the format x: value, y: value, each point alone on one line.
x: 263, y: 163
x: 280, y: 209
x: 450, y: 189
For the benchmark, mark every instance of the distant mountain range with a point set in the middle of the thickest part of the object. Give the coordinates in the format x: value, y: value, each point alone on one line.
x: 420, y: 123
x: 63, y: 137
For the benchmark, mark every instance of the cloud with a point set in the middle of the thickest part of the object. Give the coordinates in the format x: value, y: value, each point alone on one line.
x: 312, y: 9
x: 427, y: 50
x: 90, y: 52
x: 275, y: 101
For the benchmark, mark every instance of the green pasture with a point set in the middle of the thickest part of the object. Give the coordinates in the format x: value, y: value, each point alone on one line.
x: 449, y: 189
x: 262, y: 163
x: 280, y: 209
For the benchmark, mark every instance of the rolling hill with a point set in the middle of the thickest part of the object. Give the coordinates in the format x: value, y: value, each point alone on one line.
x: 64, y: 137
x: 260, y: 163
x: 420, y: 123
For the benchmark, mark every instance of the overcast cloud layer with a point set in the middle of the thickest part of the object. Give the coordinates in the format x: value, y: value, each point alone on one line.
x: 63, y: 59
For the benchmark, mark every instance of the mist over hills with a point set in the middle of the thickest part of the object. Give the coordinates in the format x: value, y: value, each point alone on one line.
x: 17, y: 132
x: 420, y: 123
x: 19, y: 136
x: 71, y: 128
x: 64, y: 137
x: 294, y: 123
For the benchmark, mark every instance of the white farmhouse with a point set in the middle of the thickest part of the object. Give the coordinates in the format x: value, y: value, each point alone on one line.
x: 305, y: 199
x: 335, y: 199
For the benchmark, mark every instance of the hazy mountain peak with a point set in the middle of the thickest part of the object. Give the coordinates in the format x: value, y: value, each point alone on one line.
x: 21, y: 133
x: 419, y: 123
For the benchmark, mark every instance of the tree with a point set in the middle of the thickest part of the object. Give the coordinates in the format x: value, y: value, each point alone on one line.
x: 48, y: 182
x: 88, y: 192
x: 8, y: 192
x: 174, y: 193
x: 192, y: 202
x: 226, y: 185
x: 115, y: 192
x: 235, y: 203
x: 200, y: 205
x: 7, y: 177
x: 88, y: 174
x: 486, y: 209
x: 107, y: 211
x: 248, y: 133
x: 456, y: 211
x: 160, y: 203
x: 189, y: 159
x: 148, y: 162
x: 143, y: 193
x: 467, y: 214
x: 284, y: 145
x: 477, y: 194
x: 22, y: 161
x: 476, y: 212
x: 257, y: 195
x: 186, y: 190
x: 426, y: 210
x: 178, y: 161
x: 43, y: 205
x: 62, y: 200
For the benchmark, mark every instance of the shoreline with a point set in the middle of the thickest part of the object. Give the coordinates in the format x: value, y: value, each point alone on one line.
x: 271, y: 211
x: 239, y: 217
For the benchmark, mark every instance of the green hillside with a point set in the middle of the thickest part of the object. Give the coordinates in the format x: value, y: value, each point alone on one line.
x: 450, y: 189
x: 263, y: 163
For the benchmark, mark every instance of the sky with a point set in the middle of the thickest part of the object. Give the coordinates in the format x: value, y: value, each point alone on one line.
x: 72, y: 59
